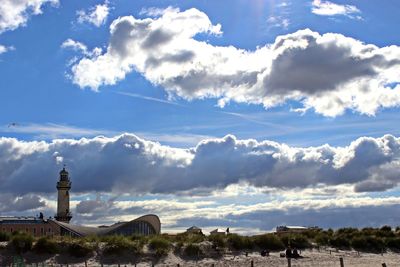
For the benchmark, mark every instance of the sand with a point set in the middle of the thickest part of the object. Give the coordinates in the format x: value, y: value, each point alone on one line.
x: 311, y: 258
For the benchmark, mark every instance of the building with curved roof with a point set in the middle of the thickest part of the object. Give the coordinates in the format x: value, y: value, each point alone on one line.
x: 144, y: 225
x: 38, y: 226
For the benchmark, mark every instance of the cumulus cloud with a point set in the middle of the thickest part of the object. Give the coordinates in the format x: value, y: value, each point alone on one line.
x: 327, y: 8
x: 95, y: 15
x: 8, y: 202
x: 14, y: 14
x: 129, y: 164
x: 330, y: 73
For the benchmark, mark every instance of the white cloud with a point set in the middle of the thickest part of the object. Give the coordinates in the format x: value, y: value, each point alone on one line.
x: 278, y: 21
x: 96, y: 15
x: 81, y: 48
x: 14, y: 14
x: 130, y: 164
x: 329, y: 73
x: 4, y: 49
x: 327, y: 8
x: 156, y: 12
x: 52, y: 130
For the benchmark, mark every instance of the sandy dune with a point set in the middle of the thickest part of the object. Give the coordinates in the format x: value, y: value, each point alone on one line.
x: 311, y: 258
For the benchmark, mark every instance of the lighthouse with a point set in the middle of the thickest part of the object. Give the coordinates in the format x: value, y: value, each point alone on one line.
x: 63, y: 187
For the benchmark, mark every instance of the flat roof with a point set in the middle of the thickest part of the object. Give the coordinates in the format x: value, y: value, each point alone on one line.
x: 20, y: 219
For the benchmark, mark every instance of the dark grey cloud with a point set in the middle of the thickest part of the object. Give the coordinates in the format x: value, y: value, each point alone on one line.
x: 318, y: 67
x: 156, y: 38
x: 178, y: 57
x: 9, y: 202
x: 331, y: 217
x: 127, y: 163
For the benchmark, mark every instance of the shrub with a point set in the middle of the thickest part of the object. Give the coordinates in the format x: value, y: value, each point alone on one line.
x: 79, y: 249
x: 340, y: 242
x: 160, y: 245
x: 119, y: 244
x: 393, y: 243
x: 45, y: 245
x: 195, y: 238
x: 368, y: 231
x: 385, y: 231
x: 192, y: 250
x: 190, y: 238
x: 21, y: 242
x: 138, y: 241
x: 367, y: 243
x: 346, y: 231
x: 322, y: 239
x: 217, y: 240
x: 92, y: 239
x: 311, y: 233
x: 269, y: 241
x: 240, y: 242
x: 295, y: 241
x: 4, y: 237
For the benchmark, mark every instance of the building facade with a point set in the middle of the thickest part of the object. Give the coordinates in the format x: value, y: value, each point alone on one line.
x: 34, y: 226
x: 39, y: 226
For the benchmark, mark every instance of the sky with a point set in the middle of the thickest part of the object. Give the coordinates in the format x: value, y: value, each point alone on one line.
x: 245, y: 114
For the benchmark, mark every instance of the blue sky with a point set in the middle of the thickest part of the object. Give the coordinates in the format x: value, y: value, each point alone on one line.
x: 227, y: 105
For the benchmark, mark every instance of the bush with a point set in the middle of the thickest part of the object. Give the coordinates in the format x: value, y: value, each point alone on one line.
x: 79, y: 249
x: 119, y: 244
x: 92, y: 239
x: 322, y: 239
x: 160, y: 245
x: 341, y: 242
x: 367, y: 243
x: 192, y: 250
x: 240, y: 242
x: 195, y: 238
x: 311, y: 233
x: 346, y: 231
x: 368, y: 231
x: 295, y: 241
x: 269, y: 241
x: 46, y: 245
x: 217, y: 240
x: 21, y: 242
x: 4, y: 237
x: 386, y: 228
x: 393, y: 243
x: 385, y: 231
x: 190, y: 238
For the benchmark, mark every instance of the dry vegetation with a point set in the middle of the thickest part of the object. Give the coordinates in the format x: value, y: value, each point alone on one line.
x: 194, y: 246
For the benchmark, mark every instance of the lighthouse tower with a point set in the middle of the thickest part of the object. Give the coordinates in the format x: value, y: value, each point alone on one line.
x: 63, y: 187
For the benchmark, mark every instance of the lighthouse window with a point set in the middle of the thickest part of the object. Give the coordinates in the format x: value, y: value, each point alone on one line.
x: 67, y: 193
